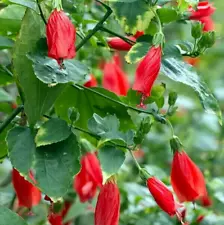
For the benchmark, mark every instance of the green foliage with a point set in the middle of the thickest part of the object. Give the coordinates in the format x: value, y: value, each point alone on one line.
x: 7, y: 215
x: 21, y: 148
x: 38, y: 96
x: 52, y: 131
x: 111, y: 159
x: 55, y: 166
x: 4, y: 96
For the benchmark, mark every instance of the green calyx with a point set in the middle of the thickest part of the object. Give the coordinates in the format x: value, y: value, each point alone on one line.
x: 144, y: 174
x: 158, y: 39
x: 175, y: 144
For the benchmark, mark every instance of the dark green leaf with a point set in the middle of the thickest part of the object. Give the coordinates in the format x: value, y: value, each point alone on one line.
x: 133, y: 15
x: 87, y: 103
x: 21, y: 148
x: 38, y: 96
x: 111, y: 159
x: 6, y: 42
x: 9, y: 217
x: 48, y: 70
x: 108, y: 128
x: 52, y: 131
x: 5, y: 96
x: 167, y: 15
x: 55, y: 166
x: 180, y: 71
x: 27, y: 3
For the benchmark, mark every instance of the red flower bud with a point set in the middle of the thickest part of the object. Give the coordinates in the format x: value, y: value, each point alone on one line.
x: 28, y: 195
x: 55, y: 219
x: 92, y: 82
x: 208, y: 24
x: 162, y: 195
x: 89, y: 178
x: 203, y: 9
x: 108, y: 205
x: 206, y: 201
x: 186, y: 178
x: 147, y: 71
x: 114, y: 79
x: 61, y: 36
x: 119, y: 44
x: 192, y: 61
x: 199, y: 219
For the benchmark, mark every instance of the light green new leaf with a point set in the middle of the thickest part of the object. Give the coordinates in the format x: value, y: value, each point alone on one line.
x: 180, y: 71
x: 167, y: 15
x: 52, y: 131
x: 133, y: 15
x: 9, y: 217
x: 27, y: 3
x: 111, y: 159
x: 48, y: 71
x: 38, y: 96
x: 21, y: 148
x: 56, y: 165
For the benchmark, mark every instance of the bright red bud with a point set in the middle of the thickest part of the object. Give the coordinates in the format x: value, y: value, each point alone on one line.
x: 147, y: 71
x: 200, y: 218
x: 92, y: 82
x: 162, y: 195
x: 114, y: 79
x: 206, y: 201
x: 61, y: 36
x: 108, y: 205
x: 89, y: 178
x: 186, y: 178
x: 204, y: 9
x: 55, y: 219
x: 119, y: 44
x: 28, y: 195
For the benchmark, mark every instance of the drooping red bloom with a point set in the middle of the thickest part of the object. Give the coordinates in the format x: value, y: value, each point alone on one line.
x: 204, y: 9
x: 121, y: 45
x: 89, y: 178
x: 208, y: 24
x: 162, y: 195
x: 114, y: 79
x: 61, y: 36
x: 186, y: 178
x: 28, y: 195
x: 147, y: 71
x: 108, y: 205
x: 92, y: 82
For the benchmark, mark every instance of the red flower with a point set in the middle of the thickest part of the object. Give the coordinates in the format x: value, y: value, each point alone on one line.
x: 192, y: 61
x: 89, y: 178
x: 208, y: 23
x: 162, y: 195
x: 147, y: 71
x: 61, y: 36
x: 28, y: 195
x: 92, y: 82
x: 114, y: 79
x: 204, y: 9
x: 186, y: 178
x: 121, y: 45
x: 108, y: 205
x: 200, y: 218
x: 55, y: 219
x: 206, y: 201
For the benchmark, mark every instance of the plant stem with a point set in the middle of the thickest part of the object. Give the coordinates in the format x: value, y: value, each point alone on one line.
x: 118, y: 35
x: 157, y: 117
x: 97, y: 27
x: 171, y: 127
x: 41, y: 12
x: 158, y: 20
x: 11, y: 117
x: 12, y: 201
x: 135, y: 160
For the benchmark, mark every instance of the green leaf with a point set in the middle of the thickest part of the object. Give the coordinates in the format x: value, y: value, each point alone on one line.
x: 137, y: 52
x: 21, y: 148
x: 27, y: 3
x: 111, y: 159
x: 38, y: 96
x: 48, y: 71
x: 52, y: 131
x: 5, y: 96
x: 108, y: 129
x: 6, y: 42
x: 56, y: 165
x: 9, y: 217
x: 133, y: 15
x: 180, y: 71
x: 87, y: 103
x: 167, y: 15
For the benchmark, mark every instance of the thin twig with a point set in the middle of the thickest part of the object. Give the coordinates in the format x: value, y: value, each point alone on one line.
x: 41, y: 12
